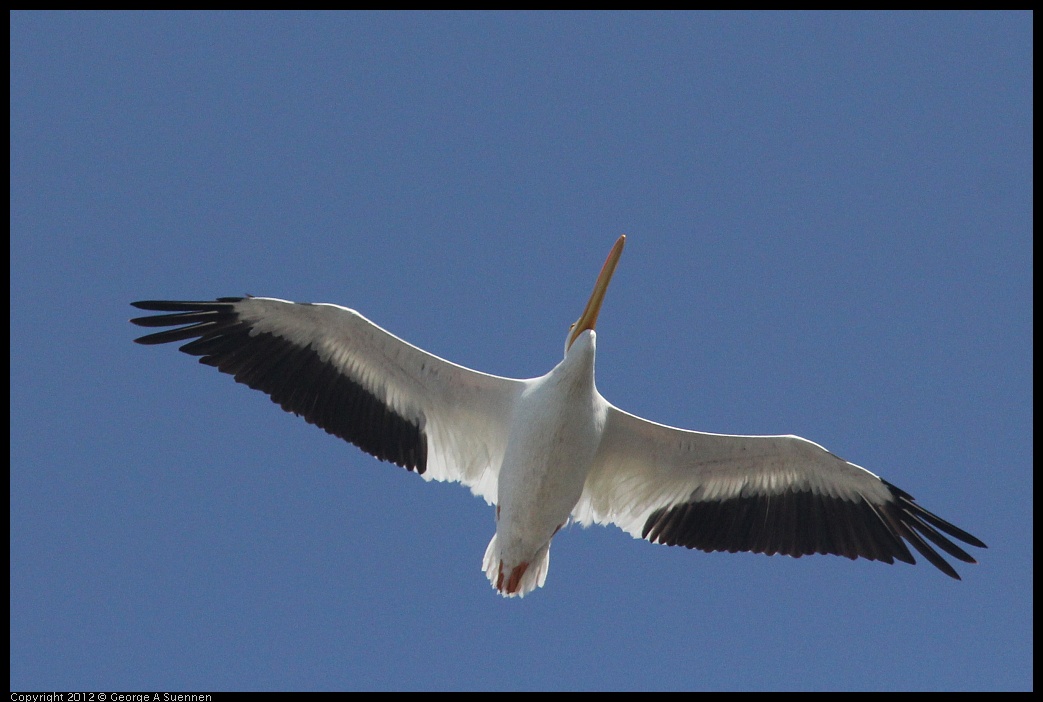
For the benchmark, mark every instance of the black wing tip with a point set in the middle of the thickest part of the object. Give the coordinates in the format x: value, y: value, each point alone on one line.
x: 187, y: 316
x: 908, y: 503
x: 184, y: 305
x: 813, y: 524
x: 915, y: 523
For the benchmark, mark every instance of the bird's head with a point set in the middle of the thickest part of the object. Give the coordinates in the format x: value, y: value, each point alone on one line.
x: 589, y: 318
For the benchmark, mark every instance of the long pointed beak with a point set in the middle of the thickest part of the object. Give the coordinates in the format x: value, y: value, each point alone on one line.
x: 589, y: 318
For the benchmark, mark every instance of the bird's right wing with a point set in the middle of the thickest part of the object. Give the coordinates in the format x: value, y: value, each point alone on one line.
x: 341, y: 372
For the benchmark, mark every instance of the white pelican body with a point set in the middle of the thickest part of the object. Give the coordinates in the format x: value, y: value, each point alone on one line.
x: 552, y: 448
x: 558, y: 423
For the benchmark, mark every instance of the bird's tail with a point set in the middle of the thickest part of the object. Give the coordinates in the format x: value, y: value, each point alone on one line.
x: 519, y: 579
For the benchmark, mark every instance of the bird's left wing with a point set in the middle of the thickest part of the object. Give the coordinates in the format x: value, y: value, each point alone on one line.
x: 765, y: 494
x: 341, y: 372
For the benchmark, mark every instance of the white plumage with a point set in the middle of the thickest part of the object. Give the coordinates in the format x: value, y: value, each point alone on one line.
x: 552, y: 448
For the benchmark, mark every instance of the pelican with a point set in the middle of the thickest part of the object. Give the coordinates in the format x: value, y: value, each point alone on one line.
x: 548, y: 450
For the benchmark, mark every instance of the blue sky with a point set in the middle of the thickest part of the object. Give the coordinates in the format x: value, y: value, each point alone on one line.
x: 829, y: 234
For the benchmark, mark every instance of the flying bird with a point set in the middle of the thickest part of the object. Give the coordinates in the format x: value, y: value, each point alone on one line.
x: 550, y: 449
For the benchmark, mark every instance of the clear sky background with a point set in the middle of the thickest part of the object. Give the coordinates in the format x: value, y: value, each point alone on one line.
x: 829, y: 226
